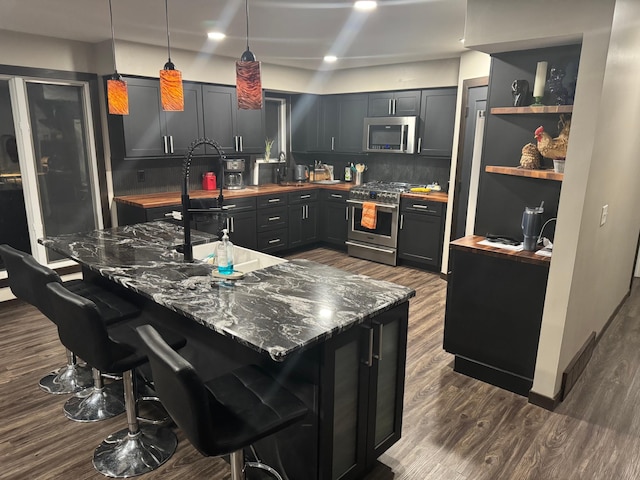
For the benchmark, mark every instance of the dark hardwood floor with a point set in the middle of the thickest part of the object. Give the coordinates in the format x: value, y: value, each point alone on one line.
x: 455, y: 427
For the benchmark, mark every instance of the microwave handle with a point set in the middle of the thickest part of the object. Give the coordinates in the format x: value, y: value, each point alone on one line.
x: 405, y: 128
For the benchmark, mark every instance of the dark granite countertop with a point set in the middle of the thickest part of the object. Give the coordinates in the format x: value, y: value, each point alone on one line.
x: 277, y: 310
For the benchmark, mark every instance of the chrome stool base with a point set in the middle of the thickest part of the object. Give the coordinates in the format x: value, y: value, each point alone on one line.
x: 95, y: 404
x: 68, y: 379
x: 124, y: 454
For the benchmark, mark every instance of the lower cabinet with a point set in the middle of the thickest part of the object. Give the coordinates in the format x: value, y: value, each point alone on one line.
x: 272, y: 222
x: 364, y: 369
x: 421, y: 232
x: 334, y: 217
x: 242, y: 229
x: 303, y: 218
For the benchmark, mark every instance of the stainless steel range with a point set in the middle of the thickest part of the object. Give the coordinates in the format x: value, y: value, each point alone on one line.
x: 379, y: 244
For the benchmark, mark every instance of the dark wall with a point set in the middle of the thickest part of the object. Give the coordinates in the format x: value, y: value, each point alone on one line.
x: 502, y: 198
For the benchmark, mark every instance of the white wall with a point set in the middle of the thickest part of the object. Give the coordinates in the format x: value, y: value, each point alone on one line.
x: 472, y: 65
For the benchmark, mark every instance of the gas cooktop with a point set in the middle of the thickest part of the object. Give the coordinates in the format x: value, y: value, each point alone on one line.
x: 382, y: 192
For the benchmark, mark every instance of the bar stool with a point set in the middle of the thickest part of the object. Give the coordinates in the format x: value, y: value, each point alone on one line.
x: 114, y: 348
x: 27, y: 279
x: 225, y: 415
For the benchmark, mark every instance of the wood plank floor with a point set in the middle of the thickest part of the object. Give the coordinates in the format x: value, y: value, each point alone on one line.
x: 455, y: 427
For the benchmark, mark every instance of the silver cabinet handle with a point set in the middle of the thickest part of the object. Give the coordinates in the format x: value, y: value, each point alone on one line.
x: 423, y: 207
x: 171, y: 143
x: 401, y: 221
x: 274, y: 200
x: 333, y: 143
x: 228, y: 224
x: 307, y: 208
x: 233, y: 225
x: 369, y: 361
x: 346, y: 213
x: 305, y: 196
x: 241, y: 144
x: 166, y: 147
x: 378, y: 355
x: 275, y: 240
x: 336, y: 195
x: 394, y: 105
x: 273, y: 219
x: 419, y: 144
x: 390, y: 108
x: 229, y: 207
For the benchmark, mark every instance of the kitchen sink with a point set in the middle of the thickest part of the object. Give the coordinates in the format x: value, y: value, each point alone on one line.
x: 244, y: 259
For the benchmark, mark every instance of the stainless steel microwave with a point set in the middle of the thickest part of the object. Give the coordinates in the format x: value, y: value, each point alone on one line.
x: 389, y: 135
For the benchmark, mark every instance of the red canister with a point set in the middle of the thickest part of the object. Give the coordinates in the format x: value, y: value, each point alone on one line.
x: 209, y: 181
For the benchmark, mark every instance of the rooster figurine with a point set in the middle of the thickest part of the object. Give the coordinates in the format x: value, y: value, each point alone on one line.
x: 554, y: 148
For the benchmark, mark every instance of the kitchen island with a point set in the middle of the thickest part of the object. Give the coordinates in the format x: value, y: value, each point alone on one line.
x: 317, y: 328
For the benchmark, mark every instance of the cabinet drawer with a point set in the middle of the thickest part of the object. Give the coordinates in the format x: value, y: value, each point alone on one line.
x: 240, y: 204
x: 422, y: 206
x: 272, y: 200
x: 303, y: 197
x: 272, y: 240
x: 272, y: 218
x: 334, y: 196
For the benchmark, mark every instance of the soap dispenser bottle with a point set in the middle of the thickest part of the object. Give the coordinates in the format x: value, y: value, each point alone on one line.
x: 225, y: 254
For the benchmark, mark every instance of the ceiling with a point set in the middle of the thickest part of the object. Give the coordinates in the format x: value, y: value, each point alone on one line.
x: 296, y: 33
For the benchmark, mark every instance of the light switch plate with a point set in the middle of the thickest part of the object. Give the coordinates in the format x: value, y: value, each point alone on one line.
x: 603, y: 215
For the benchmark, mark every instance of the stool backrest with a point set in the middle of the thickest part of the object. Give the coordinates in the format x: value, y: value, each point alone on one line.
x: 181, y: 392
x: 82, y: 330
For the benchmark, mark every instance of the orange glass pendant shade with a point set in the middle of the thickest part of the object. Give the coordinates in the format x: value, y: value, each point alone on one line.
x: 171, y: 91
x: 117, y: 97
x: 248, y: 85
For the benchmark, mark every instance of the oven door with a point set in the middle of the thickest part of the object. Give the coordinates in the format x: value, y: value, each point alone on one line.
x: 386, y: 232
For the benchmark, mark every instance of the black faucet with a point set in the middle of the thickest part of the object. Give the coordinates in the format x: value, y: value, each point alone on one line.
x: 187, y: 248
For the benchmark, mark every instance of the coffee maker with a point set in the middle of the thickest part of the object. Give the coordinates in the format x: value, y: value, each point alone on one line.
x: 233, y: 169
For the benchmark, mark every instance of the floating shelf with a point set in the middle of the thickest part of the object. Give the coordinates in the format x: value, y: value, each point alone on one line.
x: 525, y: 172
x: 528, y: 110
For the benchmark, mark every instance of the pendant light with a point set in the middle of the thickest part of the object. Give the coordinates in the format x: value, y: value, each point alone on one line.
x: 171, y: 92
x: 117, y: 95
x: 248, y: 82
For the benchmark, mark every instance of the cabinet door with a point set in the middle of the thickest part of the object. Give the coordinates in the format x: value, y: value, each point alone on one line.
x: 328, y: 131
x: 220, y: 116
x: 380, y: 104
x: 185, y: 127
x: 407, y: 103
x: 335, y: 222
x: 296, y: 218
x: 420, y: 238
x: 437, y: 117
x: 250, y: 130
x: 387, y: 381
x: 310, y: 224
x: 242, y: 229
x: 144, y: 127
x: 305, y: 120
x: 352, y: 110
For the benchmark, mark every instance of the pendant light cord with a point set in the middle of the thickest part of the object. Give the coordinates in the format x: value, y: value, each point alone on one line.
x: 166, y: 11
x: 113, y: 40
x: 246, y: 13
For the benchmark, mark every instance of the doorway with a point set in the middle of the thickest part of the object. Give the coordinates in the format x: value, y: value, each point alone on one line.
x: 474, y: 103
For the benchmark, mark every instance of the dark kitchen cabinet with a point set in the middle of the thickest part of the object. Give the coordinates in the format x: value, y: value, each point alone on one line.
x: 395, y: 104
x: 342, y: 123
x: 371, y: 359
x: 305, y: 123
x: 334, y: 217
x: 237, y: 131
x: 149, y: 131
x: 303, y: 218
x: 421, y: 232
x: 272, y: 222
x: 493, y: 314
x: 437, y: 119
x: 241, y: 221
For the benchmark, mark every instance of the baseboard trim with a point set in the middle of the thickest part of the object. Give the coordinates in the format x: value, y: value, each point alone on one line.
x: 577, y: 365
x: 543, y: 401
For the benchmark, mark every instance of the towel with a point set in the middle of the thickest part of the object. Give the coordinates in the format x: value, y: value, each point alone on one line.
x: 369, y: 215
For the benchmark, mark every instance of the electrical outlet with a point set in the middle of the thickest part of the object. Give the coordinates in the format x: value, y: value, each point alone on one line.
x: 140, y: 175
x: 603, y: 215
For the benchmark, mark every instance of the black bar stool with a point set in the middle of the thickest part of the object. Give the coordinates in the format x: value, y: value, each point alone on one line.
x: 114, y: 348
x: 27, y: 280
x: 225, y: 415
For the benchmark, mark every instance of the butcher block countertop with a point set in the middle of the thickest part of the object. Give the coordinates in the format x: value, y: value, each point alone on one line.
x: 165, y: 199
x: 470, y: 243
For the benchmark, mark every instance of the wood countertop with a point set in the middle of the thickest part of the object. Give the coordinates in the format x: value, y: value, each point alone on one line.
x: 165, y: 199
x: 470, y: 243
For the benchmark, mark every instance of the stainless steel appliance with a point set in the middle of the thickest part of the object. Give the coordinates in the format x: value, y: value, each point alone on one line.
x: 301, y: 173
x: 389, y: 135
x: 379, y: 244
x: 233, y: 171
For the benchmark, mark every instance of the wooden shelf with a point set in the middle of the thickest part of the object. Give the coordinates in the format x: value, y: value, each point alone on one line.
x: 528, y: 110
x: 524, y: 172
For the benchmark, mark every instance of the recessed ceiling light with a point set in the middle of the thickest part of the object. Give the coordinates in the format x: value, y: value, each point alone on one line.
x: 216, y: 35
x: 330, y: 58
x: 365, y: 5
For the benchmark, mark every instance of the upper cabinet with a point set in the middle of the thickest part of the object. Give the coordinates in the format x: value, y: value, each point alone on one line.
x: 149, y: 131
x: 437, y: 119
x: 305, y: 120
x: 395, y: 104
x: 239, y: 131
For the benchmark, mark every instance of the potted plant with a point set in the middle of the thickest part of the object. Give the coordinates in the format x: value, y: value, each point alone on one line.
x: 267, y: 149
